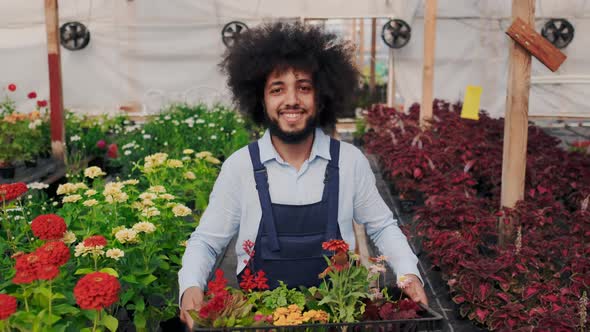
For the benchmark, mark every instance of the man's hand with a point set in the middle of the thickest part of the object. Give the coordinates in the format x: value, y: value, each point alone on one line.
x: 413, y: 288
x: 192, y: 299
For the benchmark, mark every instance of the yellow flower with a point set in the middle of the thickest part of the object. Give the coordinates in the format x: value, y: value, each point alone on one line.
x: 115, y: 254
x: 157, y: 189
x: 90, y: 192
x: 69, y: 237
x: 90, y: 202
x: 137, y: 206
x: 188, y: 151
x: 71, y: 199
x: 203, y: 154
x: 112, y: 188
x: 167, y: 197
x: 149, y: 196
x: 212, y: 160
x: 146, y: 202
x: 144, y: 227
x: 150, y: 212
x: 183, y: 243
x: 181, y: 210
x: 131, y: 182
x: 174, y: 163
x: 66, y: 188
x: 190, y: 175
x: 93, y: 172
x: 119, y: 197
x: 116, y: 229
x: 126, y: 235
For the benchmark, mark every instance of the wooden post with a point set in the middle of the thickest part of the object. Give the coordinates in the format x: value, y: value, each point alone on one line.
x: 362, y: 45
x: 55, y: 83
x: 390, y: 81
x: 516, y: 121
x: 428, y: 70
x: 373, y: 56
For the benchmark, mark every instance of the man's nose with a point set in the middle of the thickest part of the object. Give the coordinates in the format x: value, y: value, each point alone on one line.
x: 291, y: 98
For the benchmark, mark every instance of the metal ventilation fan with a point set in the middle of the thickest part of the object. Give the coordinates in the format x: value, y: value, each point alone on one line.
x: 396, y: 33
x: 231, y: 32
x: 74, y: 36
x: 558, y: 31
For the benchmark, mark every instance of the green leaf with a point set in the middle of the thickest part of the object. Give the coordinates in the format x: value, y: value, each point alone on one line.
x: 64, y: 308
x: 110, y: 322
x: 130, y: 279
x: 139, y: 304
x: 148, y: 279
x: 83, y: 271
x: 127, y: 296
x: 139, y: 320
x: 110, y: 271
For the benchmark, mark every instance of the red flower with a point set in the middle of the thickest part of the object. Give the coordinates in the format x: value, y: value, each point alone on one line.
x: 12, y: 87
x: 7, y: 306
x: 247, y: 282
x: 101, y: 144
x: 48, y: 227
x: 42, y: 103
x: 215, y: 305
x: 25, y: 277
x: 261, y: 280
x: 112, y: 151
x: 336, y: 245
x: 95, y: 241
x: 32, y: 95
x: 248, y: 247
x: 47, y: 272
x: 11, y: 191
x: 217, y: 285
x: 27, y: 267
x: 54, y: 253
x: 97, y: 290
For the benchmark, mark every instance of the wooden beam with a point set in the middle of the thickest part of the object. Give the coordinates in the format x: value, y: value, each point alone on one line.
x: 390, y: 81
x: 428, y: 69
x: 362, y: 45
x: 516, y: 121
x: 373, y: 56
x: 55, y: 82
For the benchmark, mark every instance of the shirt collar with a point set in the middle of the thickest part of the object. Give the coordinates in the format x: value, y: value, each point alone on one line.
x: 320, y: 147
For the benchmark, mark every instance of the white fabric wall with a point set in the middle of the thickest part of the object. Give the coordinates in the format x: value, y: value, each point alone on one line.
x: 157, y: 51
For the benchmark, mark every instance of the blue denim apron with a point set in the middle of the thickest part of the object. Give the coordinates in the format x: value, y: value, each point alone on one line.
x: 288, y: 245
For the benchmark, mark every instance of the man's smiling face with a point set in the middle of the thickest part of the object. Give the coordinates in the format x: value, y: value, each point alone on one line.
x: 289, y: 98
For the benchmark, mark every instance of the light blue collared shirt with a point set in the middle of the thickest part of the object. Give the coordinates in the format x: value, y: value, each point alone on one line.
x: 234, y: 206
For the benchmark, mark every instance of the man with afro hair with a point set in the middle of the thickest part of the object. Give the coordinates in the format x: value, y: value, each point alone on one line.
x: 296, y: 187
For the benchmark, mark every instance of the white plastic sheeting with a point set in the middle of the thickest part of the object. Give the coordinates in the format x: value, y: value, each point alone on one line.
x: 154, y: 51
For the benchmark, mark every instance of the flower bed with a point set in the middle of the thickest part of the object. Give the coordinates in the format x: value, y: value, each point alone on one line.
x: 539, y: 282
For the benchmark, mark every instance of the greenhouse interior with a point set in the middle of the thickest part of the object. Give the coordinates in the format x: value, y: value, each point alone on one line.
x: 257, y: 165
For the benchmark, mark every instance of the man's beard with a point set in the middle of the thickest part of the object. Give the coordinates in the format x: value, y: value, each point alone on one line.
x: 291, y: 137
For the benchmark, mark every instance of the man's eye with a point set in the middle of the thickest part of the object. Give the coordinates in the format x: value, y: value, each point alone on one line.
x: 306, y: 88
x: 275, y: 90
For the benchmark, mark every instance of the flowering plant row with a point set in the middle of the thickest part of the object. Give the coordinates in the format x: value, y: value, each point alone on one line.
x: 540, y: 281
x: 348, y: 292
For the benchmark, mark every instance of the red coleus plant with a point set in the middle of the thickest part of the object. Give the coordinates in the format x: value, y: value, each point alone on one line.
x: 457, y: 165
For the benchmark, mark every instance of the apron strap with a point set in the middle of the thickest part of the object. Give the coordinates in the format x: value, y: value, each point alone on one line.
x: 261, y: 178
x: 331, y: 188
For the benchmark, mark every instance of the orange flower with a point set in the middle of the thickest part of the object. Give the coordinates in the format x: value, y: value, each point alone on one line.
x: 335, y: 245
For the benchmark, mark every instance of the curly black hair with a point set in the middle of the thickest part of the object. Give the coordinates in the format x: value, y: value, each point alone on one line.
x: 279, y: 46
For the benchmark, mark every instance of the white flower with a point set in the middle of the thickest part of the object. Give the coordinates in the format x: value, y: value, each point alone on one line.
x: 188, y: 151
x: 131, y: 182
x: 147, y: 136
x: 71, y: 198
x: 126, y: 235
x: 203, y: 154
x: 150, y: 212
x: 69, y: 237
x: 213, y: 136
x: 212, y: 124
x: 93, y: 172
x: 167, y: 117
x: 200, y: 121
x: 90, y: 202
x: 149, y: 196
x: 74, y: 138
x: 181, y: 210
x: 115, y: 254
x: 403, y: 282
x: 174, y: 163
x: 82, y: 250
x: 190, y: 175
x: 157, y: 189
x: 127, y: 152
x: 37, y: 185
x: 186, y: 158
x: 212, y: 160
x: 90, y: 192
x: 66, y: 188
x: 144, y: 227
x: 376, y: 269
x: 128, y: 146
x: 167, y: 197
x: 175, y: 122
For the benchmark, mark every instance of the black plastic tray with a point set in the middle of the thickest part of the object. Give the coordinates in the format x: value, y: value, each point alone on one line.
x: 430, y: 321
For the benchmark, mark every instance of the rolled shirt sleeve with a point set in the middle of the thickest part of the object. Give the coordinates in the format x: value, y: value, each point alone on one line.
x: 371, y: 211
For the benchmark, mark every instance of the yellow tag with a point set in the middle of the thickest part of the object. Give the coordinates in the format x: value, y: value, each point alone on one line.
x: 471, y: 103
